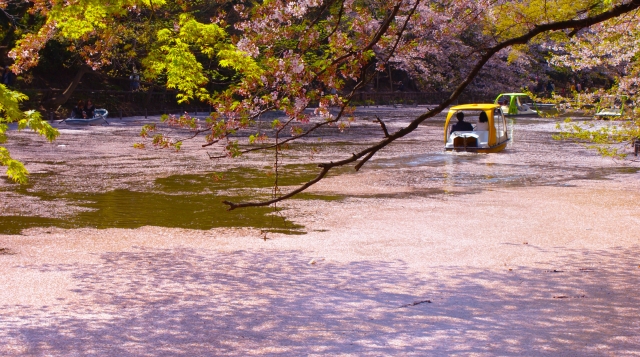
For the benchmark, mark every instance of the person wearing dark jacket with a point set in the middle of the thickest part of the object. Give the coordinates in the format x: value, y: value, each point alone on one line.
x: 89, y: 109
x: 461, y: 125
x: 7, y: 77
x: 78, y: 111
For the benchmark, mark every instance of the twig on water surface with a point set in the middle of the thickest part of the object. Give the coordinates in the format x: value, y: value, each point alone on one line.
x: 6, y: 251
x: 416, y: 303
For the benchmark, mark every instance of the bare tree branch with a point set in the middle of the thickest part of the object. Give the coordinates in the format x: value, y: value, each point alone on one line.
x: 384, y: 127
x: 12, y: 20
x: 321, y: 175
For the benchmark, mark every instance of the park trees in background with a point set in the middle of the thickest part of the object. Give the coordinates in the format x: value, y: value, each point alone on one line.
x: 612, y: 49
x: 248, y: 58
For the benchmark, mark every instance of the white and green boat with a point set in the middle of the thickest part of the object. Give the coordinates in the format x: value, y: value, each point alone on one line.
x: 517, y: 104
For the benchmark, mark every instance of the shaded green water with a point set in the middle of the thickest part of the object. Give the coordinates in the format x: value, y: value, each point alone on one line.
x: 180, y: 201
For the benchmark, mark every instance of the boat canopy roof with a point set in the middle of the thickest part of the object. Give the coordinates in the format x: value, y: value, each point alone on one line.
x: 475, y: 107
x: 614, y: 96
x: 515, y: 94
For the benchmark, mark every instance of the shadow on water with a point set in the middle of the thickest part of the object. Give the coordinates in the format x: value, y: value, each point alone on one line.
x: 131, y: 209
x: 183, y: 302
x: 179, y: 201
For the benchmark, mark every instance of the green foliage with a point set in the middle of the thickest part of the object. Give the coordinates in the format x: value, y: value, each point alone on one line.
x: 15, y: 169
x: 233, y: 148
x: 175, y: 56
x: 146, y: 129
x: 86, y: 16
x: 10, y: 113
x: 515, y: 18
x: 33, y: 120
x: 609, y: 139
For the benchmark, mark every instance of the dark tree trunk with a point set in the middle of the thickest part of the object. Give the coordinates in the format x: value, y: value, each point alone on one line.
x: 149, y: 96
x: 64, y: 97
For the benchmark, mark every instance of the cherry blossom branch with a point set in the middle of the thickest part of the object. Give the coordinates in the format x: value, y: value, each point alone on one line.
x: 296, y: 137
x: 369, y: 152
x: 226, y: 135
x: 374, y: 40
x: 382, y: 29
x: 193, y: 135
x: 320, y: 176
x: 324, y: 8
x: 338, y: 20
x: 348, y: 98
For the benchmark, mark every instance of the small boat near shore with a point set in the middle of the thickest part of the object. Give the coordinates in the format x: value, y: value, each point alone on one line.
x: 99, y: 117
x: 517, y: 104
x: 611, y: 106
x: 489, y: 134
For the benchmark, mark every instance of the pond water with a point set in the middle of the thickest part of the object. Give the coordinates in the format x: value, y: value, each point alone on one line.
x: 194, y: 201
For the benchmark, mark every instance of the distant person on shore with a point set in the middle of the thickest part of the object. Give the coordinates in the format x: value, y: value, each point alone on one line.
x: 134, y: 81
x: 551, y: 88
x: 89, y: 109
x: 461, y: 125
x: 78, y: 111
x: 7, y: 76
x: 483, y: 122
x: 539, y: 87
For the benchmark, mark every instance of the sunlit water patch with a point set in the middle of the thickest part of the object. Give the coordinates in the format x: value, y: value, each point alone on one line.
x: 442, y: 172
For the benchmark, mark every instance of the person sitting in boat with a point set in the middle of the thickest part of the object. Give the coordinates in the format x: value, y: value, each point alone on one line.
x: 78, y: 111
x: 89, y: 109
x: 461, y: 125
x: 483, y: 122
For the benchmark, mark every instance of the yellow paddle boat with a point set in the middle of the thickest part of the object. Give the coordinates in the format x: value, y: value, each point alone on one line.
x: 484, y: 132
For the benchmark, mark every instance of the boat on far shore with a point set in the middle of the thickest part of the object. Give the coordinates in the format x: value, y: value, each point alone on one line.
x: 611, y: 106
x: 99, y: 117
x: 517, y: 104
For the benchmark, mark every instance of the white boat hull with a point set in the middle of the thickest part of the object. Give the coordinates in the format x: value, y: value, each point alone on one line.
x: 99, y: 118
